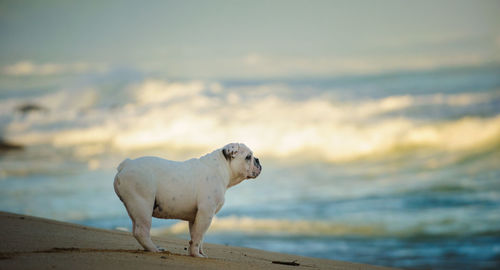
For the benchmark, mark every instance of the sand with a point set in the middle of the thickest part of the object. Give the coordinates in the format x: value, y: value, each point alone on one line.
x: 35, y: 243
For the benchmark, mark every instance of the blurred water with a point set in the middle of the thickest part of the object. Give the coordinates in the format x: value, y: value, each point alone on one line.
x: 393, y: 169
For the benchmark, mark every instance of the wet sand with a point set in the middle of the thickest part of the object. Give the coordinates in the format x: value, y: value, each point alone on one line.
x: 35, y: 243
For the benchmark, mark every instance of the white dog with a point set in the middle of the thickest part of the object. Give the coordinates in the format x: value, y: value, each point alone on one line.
x: 192, y: 190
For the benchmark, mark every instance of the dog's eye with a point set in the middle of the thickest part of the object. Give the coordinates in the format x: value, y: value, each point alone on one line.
x: 248, y: 157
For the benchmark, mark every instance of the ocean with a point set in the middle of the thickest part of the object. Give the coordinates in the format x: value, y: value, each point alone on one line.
x: 397, y: 169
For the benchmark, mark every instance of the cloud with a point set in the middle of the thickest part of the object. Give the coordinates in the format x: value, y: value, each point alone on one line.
x: 157, y: 91
x: 262, y: 65
x: 412, y: 52
x: 26, y: 68
x: 253, y: 59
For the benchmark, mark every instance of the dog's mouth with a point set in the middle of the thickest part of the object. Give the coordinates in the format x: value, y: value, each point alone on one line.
x: 256, y: 173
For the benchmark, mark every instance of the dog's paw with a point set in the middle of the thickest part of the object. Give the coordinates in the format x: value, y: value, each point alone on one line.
x: 161, y: 249
x: 195, y: 252
x: 198, y: 255
x: 203, y: 254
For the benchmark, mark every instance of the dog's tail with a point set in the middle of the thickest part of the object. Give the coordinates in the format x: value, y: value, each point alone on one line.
x: 122, y: 164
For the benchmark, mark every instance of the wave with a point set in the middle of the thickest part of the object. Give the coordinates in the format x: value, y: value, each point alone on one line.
x: 200, y: 116
x: 253, y: 226
x: 269, y: 226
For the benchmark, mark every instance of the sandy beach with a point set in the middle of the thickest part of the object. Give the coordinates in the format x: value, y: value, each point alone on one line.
x: 35, y: 243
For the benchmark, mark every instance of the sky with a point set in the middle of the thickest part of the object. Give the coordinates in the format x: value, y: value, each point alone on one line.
x: 246, y: 39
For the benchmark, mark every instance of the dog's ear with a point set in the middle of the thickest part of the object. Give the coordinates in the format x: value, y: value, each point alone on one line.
x: 229, y: 151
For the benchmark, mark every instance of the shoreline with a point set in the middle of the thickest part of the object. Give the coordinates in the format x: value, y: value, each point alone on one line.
x: 36, y: 243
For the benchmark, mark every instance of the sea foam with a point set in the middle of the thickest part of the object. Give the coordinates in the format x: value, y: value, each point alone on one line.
x: 201, y: 115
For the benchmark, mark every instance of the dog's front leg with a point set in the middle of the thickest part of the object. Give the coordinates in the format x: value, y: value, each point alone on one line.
x: 191, y: 223
x: 197, y: 230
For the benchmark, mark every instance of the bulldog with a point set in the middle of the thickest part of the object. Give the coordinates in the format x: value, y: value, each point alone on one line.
x: 192, y: 190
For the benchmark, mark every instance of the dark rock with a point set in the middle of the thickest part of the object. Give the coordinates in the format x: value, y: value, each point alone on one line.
x: 29, y: 107
x: 7, y: 146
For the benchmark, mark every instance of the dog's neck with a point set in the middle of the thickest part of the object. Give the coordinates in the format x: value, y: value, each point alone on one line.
x: 230, y: 179
x: 234, y: 180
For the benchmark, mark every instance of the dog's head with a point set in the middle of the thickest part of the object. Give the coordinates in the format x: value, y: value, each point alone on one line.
x: 241, y: 160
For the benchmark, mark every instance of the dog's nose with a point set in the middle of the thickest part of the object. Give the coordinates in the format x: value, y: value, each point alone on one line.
x: 258, y: 163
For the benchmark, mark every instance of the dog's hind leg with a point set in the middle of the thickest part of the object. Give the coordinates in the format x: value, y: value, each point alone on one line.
x: 140, y: 212
x: 139, y: 204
